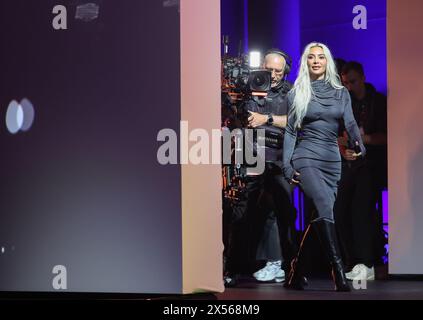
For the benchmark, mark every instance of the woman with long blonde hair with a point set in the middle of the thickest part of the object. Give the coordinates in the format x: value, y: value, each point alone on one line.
x: 317, y: 103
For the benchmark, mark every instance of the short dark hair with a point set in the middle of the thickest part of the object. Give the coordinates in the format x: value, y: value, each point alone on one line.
x: 353, y: 65
x: 339, y: 62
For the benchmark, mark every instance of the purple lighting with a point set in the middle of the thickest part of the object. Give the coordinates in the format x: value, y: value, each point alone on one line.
x: 290, y: 24
x: 298, y: 206
x: 245, y: 26
x: 287, y: 16
x: 336, y: 30
x: 385, y: 210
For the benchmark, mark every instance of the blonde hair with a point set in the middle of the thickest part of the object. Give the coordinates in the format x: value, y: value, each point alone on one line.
x: 302, y: 89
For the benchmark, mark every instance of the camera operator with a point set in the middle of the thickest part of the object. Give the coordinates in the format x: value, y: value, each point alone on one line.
x: 266, y: 113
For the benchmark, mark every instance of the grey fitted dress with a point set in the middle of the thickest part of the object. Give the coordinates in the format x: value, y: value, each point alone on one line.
x: 316, y: 156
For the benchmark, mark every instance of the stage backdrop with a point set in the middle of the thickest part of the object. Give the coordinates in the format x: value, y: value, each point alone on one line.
x: 405, y: 132
x: 291, y: 24
x: 85, y: 205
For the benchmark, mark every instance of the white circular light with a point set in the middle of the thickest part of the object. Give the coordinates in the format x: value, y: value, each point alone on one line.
x: 255, y: 59
x: 12, y: 121
x: 28, y: 112
x: 19, y: 116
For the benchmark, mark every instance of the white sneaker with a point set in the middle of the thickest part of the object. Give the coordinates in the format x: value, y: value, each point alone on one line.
x: 361, y: 272
x: 272, y: 271
x: 262, y: 271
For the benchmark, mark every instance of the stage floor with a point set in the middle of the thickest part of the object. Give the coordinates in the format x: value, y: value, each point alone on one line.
x: 319, y: 289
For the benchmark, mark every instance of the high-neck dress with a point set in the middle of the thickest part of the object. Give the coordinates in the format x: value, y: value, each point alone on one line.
x: 316, y: 155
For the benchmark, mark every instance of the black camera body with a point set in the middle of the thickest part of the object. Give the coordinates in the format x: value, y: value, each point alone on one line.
x: 240, y: 84
x: 243, y: 79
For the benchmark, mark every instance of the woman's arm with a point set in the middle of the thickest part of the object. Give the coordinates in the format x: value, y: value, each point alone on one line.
x: 290, y: 139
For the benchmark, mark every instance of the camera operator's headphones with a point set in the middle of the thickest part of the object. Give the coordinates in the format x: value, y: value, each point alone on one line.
x: 288, y: 60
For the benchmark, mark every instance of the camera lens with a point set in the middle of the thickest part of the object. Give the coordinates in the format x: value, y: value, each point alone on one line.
x: 260, y: 80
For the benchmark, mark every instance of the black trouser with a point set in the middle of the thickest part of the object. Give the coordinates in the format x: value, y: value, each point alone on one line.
x: 248, y: 223
x: 269, y: 248
x: 356, y: 216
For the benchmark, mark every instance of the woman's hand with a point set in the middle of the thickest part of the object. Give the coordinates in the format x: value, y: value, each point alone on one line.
x: 295, y: 179
x: 349, y: 155
x: 357, y: 147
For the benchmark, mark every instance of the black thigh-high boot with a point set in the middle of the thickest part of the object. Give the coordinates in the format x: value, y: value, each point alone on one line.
x: 296, y: 278
x: 327, y: 235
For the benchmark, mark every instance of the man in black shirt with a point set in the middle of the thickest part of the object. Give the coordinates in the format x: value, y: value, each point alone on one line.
x: 268, y: 113
x: 362, y: 181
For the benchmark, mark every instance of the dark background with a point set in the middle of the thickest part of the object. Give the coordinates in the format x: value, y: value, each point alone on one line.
x: 83, y: 187
x: 291, y: 24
